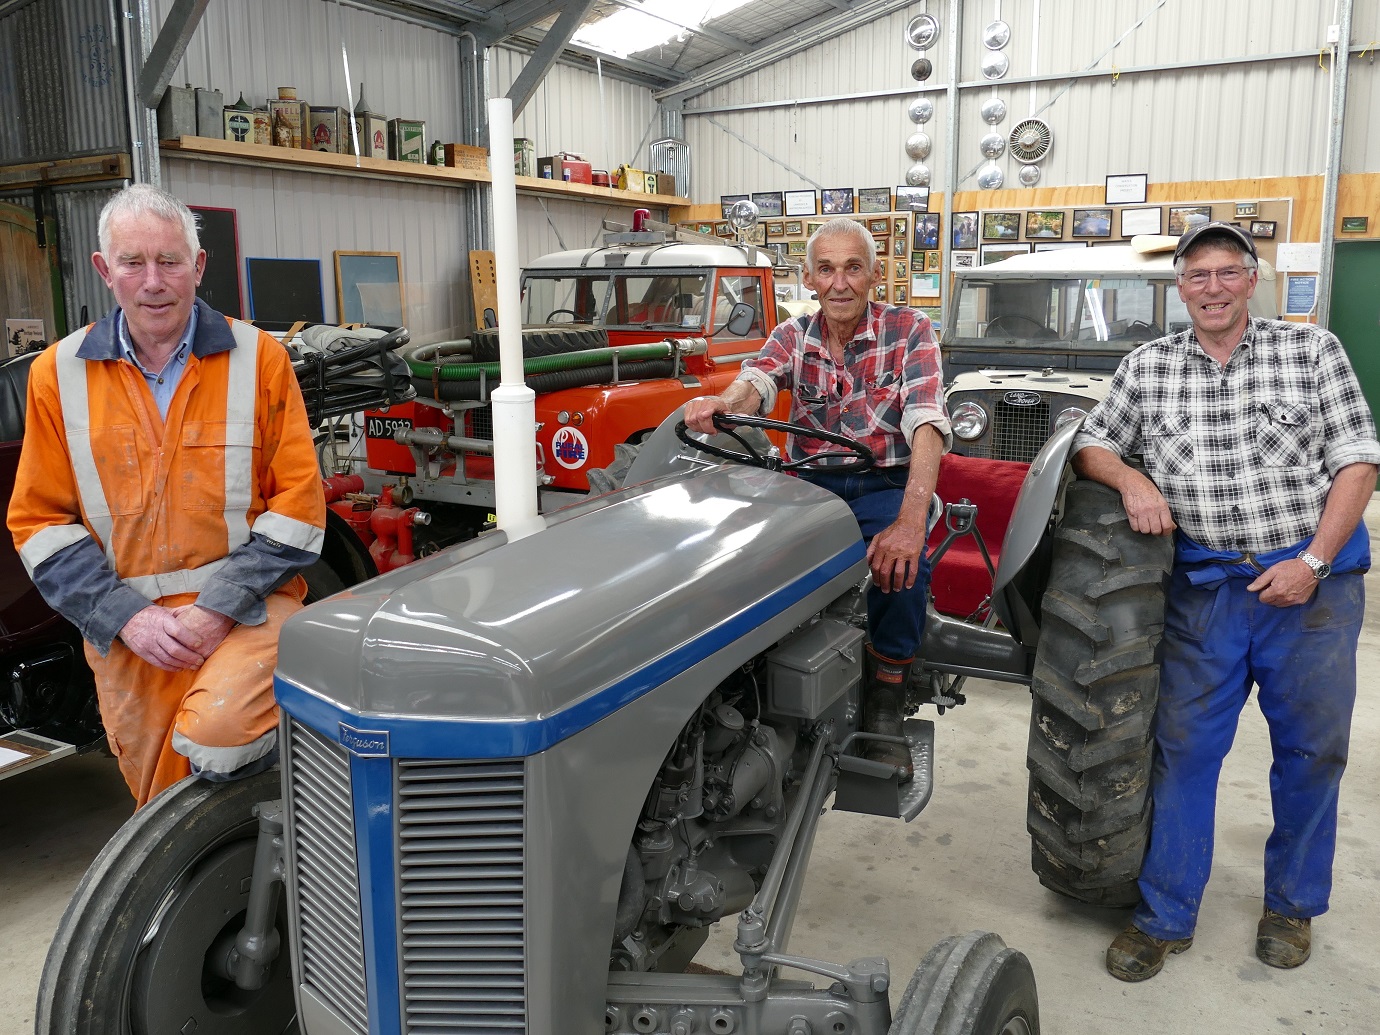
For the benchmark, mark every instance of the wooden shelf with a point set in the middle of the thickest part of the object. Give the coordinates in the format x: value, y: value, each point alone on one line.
x: 210, y: 149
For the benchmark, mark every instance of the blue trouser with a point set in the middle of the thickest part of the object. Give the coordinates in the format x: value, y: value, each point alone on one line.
x: 1217, y: 642
x: 895, y: 620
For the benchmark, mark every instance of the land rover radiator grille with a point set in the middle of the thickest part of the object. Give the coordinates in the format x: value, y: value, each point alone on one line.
x: 327, y: 882
x: 460, y: 867
x: 1019, y: 431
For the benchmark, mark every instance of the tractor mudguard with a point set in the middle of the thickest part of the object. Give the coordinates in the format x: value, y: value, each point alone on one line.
x: 1029, y: 524
x: 500, y: 710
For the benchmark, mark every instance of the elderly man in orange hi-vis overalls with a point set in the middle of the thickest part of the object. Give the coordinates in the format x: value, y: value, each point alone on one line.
x: 167, y: 498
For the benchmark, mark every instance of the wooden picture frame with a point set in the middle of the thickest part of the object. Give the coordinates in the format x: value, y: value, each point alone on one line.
x: 722, y: 229
x: 879, y: 292
x: 879, y: 227
x: 1355, y: 224
x: 1246, y: 209
x: 218, y: 229
x: 924, y: 285
x: 963, y: 260
x: 900, y: 226
x: 283, y: 292
x: 1092, y: 222
x: 793, y: 228
x: 801, y: 203
x: 776, y: 228
x: 900, y: 269
x: 900, y: 246
x: 1263, y: 228
x: 933, y: 261
x: 368, y: 288
x: 899, y: 295
x: 874, y: 199
x: 1001, y: 226
x: 811, y: 226
x: 795, y: 247
x: 769, y: 203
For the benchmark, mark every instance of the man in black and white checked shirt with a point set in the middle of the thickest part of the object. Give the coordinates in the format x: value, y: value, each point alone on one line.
x: 1260, y: 456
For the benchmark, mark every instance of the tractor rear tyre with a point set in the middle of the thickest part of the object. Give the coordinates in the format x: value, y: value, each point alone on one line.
x: 130, y: 954
x: 1095, y: 686
x: 970, y: 984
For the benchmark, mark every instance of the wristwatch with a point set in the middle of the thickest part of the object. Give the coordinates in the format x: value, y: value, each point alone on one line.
x: 1321, y: 569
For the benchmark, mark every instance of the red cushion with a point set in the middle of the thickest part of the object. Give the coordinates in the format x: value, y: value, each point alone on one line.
x: 960, y: 581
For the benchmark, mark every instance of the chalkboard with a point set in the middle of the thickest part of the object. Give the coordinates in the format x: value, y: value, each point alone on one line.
x: 220, y: 283
x: 284, y: 291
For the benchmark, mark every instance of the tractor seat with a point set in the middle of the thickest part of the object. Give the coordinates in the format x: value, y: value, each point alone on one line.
x: 14, y: 387
x: 960, y: 581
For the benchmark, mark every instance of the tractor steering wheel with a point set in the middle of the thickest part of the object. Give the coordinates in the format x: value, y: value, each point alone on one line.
x: 856, y: 456
x: 574, y: 316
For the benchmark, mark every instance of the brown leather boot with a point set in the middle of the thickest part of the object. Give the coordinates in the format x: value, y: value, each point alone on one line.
x: 1283, y: 941
x: 884, y: 696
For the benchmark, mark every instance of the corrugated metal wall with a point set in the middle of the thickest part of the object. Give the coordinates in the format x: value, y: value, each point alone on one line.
x: 569, y: 112
x: 1267, y: 117
x: 256, y: 46
x: 62, y: 83
x: 289, y: 214
x: 77, y: 210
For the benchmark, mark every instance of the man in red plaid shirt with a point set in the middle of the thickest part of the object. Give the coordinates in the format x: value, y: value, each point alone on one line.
x: 872, y: 372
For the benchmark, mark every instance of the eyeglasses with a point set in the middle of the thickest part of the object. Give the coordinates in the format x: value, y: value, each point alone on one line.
x: 1227, y: 276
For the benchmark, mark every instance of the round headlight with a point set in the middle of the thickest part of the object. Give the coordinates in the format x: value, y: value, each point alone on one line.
x: 969, y: 420
x: 1071, y: 414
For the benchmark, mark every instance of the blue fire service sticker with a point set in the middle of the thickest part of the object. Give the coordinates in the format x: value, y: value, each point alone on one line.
x: 364, y: 743
x: 570, y: 448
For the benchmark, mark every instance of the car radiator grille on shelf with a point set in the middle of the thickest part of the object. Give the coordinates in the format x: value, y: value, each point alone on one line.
x: 327, y: 877
x: 460, y: 867
x: 1018, y: 432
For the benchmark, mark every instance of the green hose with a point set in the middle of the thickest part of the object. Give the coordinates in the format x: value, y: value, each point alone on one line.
x: 542, y: 364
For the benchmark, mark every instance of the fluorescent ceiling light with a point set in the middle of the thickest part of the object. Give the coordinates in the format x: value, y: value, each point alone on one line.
x: 631, y: 31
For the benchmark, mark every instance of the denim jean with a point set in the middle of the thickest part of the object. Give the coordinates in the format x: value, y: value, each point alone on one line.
x: 895, y: 620
x: 1302, y: 659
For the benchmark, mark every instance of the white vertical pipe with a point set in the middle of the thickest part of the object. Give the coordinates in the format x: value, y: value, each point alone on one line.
x: 514, y: 404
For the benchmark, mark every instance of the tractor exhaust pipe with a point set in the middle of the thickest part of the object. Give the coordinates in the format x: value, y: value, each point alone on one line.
x: 514, y: 403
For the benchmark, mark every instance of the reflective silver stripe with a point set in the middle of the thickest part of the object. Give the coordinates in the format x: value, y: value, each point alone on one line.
x: 289, y: 531
x: 48, y: 541
x: 168, y: 583
x: 76, y: 421
x: 241, y: 396
x: 224, y: 759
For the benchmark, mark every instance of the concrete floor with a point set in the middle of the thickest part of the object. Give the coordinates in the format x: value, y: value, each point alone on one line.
x: 882, y: 888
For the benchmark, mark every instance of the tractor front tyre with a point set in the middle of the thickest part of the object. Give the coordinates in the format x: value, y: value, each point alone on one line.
x: 133, y: 954
x: 970, y: 984
x: 1095, y: 686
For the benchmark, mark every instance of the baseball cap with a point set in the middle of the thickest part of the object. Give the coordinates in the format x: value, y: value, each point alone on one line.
x: 1193, y: 236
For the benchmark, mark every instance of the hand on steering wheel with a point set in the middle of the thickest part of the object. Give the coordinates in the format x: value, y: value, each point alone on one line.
x: 856, y: 456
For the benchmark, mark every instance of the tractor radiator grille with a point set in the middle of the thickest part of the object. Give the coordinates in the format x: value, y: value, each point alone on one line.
x: 326, y: 874
x: 1019, y: 431
x: 460, y: 867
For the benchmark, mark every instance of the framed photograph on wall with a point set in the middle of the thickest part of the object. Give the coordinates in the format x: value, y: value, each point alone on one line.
x: 1044, y: 224
x: 1001, y: 226
x: 933, y: 261
x: 1127, y: 189
x: 926, y: 231
x: 811, y: 226
x: 1054, y: 246
x: 996, y: 252
x: 1355, y: 224
x: 900, y: 269
x: 776, y: 228
x: 1185, y: 217
x: 368, y: 288
x: 874, y: 199
x: 837, y: 201
x: 795, y: 247
x: 1247, y: 208
x: 912, y: 199
x: 769, y: 203
x: 964, y: 260
x: 900, y: 227
x: 899, y: 295
x: 793, y: 228
x: 727, y: 201
x: 899, y: 246
x: 723, y: 230
x: 965, y: 230
x: 1141, y: 221
x: 1263, y: 228
x: 800, y: 203
x: 1092, y: 222
x: 879, y: 227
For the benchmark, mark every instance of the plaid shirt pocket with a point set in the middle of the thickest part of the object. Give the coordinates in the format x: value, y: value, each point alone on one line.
x: 1282, y: 434
x: 1170, y: 445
